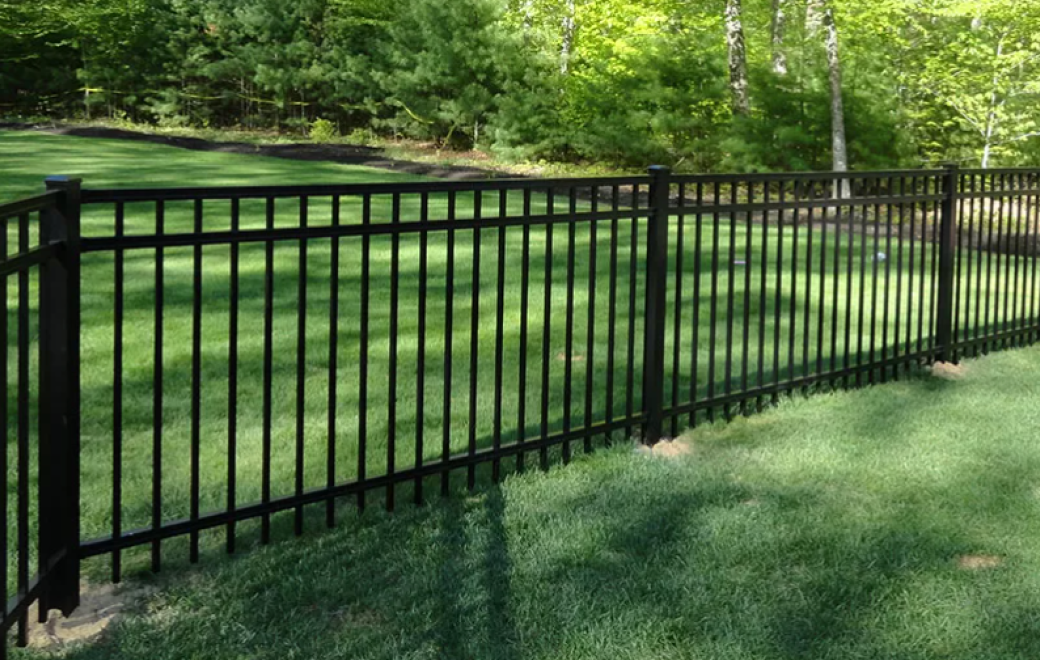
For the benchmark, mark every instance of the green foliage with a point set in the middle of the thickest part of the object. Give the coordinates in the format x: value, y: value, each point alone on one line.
x: 444, y: 67
x: 323, y: 130
x: 981, y: 81
x: 620, y: 82
x: 790, y: 129
x: 361, y: 136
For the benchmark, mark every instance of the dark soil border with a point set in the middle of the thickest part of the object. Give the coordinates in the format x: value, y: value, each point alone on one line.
x: 346, y: 154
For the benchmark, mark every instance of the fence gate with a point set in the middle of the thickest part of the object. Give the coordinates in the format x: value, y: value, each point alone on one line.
x: 39, y: 327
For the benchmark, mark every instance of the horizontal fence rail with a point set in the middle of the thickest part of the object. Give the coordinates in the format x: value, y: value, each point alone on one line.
x: 248, y: 351
x: 783, y: 285
x: 431, y: 328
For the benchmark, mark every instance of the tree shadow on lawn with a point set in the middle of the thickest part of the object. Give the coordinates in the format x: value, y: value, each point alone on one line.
x: 667, y: 560
x: 622, y: 556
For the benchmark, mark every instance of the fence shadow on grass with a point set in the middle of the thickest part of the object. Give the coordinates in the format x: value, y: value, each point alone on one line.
x: 623, y: 557
x: 476, y: 403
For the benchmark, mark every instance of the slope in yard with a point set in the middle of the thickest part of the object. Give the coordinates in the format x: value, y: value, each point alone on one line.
x: 798, y: 300
x: 28, y: 157
x: 896, y: 522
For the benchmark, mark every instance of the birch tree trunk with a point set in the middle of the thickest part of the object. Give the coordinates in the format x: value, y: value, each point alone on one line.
x: 839, y: 145
x: 738, y: 78
x: 813, y: 17
x: 991, y: 116
x: 568, y: 38
x: 779, y: 23
x: 527, y: 11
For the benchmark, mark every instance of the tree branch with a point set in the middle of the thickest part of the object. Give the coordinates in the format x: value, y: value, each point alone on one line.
x: 1017, y: 138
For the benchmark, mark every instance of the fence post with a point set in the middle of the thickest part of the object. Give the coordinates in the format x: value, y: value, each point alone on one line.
x: 59, y: 400
x: 947, y: 255
x: 656, y: 293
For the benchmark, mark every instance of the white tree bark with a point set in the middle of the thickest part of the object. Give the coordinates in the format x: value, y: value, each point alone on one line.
x: 839, y: 144
x: 813, y: 16
x: 991, y: 116
x: 527, y: 11
x: 738, y: 78
x: 567, y: 45
x: 779, y: 23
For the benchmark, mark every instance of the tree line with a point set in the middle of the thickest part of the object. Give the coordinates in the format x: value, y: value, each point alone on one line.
x: 700, y: 84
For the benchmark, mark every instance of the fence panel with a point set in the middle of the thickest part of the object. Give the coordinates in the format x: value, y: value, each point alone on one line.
x: 250, y: 352
x: 779, y: 286
x: 398, y: 335
x: 528, y: 302
x: 996, y: 304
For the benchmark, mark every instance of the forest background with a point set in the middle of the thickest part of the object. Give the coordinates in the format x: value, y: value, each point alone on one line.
x: 702, y: 85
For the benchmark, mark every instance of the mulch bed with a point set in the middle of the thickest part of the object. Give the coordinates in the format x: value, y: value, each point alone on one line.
x: 346, y: 154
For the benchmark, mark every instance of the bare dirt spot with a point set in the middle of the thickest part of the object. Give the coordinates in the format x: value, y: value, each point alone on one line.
x: 666, y: 449
x: 949, y: 371
x: 100, y: 607
x: 672, y: 448
x: 978, y: 562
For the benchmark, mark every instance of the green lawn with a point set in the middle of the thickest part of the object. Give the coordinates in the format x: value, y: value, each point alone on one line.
x: 839, y: 527
x: 28, y: 157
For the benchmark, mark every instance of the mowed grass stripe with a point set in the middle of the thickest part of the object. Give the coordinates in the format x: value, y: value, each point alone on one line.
x: 113, y: 163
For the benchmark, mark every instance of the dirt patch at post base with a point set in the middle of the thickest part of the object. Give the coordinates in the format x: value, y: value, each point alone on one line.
x: 670, y: 449
x: 100, y: 607
x: 949, y: 370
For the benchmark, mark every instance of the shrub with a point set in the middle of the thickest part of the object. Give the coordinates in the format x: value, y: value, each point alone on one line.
x: 362, y: 136
x: 323, y: 130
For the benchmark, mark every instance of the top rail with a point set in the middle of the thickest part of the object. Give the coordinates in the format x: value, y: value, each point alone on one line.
x: 29, y: 205
x: 112, y: 195
x: 998, y: 194
x: 798, y: 176
x: 1000, y: 170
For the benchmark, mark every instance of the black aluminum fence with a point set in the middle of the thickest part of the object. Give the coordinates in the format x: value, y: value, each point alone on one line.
x: 252, y: 351
x: 39, y: 509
